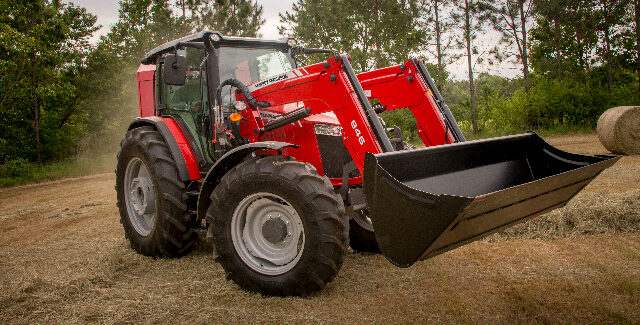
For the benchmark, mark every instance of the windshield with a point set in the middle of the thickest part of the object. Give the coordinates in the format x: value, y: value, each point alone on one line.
x: 252, y: 64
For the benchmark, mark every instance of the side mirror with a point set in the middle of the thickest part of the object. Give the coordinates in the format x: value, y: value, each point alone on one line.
x: 175, y: 70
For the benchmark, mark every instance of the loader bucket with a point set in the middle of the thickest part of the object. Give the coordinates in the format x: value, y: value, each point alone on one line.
x: 424, y: 202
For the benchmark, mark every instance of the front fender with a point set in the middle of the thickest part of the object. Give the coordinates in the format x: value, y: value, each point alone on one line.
x: 174, y: 138
x: 228, y: 161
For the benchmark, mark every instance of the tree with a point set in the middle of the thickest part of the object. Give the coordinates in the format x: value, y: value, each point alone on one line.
x: 112, y: 99
x: 44, y: 46
x: 437, y: 24
x: 143, y: 25
x: 230, y: 17
x: 376, y: 33
x: 610, y: 15
x: 511, y: 18
x: 637, y: 30
x: 547, y: 36
x: 474, y: 18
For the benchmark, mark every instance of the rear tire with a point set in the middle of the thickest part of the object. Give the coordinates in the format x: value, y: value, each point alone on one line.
x: 150, y: 195
x: 362, y: 237
x: 278, y: 227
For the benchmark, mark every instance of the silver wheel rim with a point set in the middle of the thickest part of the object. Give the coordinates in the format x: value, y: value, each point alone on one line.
x: 139, y: 196
x: 267, y: 233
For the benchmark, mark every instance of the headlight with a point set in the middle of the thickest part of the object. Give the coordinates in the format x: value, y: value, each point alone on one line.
x: 328, y: 129
x: 292, y: 42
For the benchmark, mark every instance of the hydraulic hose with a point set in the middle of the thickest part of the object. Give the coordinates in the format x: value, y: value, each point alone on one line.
x: 243, y: 89
x: 285, y: 119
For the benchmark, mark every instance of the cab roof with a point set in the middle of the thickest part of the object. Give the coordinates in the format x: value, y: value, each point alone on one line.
x: 219, y: 40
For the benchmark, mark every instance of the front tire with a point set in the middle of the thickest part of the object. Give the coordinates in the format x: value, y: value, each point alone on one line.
x: 278, y: 227
x: 362, y: 238
x: 150, y: 196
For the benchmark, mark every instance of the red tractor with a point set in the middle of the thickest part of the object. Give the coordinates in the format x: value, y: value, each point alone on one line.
x: 284, y: 166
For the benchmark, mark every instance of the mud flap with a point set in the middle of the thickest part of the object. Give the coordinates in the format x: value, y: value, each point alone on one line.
x: 425, y: 202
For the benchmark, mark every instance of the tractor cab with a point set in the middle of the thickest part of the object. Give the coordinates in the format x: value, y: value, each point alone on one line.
x: 188, y: 72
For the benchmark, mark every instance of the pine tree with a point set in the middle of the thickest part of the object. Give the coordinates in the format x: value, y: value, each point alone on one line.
x: 636, y: 16
x: 230, y: 17
x: 474, y: 19
x: 610, y: 15
x: 437, y: 24
x: 512, y: 19
x: 376, y: 33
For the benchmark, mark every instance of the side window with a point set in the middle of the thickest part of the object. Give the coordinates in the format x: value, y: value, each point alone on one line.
x: 188, y: 96
x: 271, y: 64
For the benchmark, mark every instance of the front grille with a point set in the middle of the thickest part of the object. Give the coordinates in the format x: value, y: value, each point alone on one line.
x: 334, y: 155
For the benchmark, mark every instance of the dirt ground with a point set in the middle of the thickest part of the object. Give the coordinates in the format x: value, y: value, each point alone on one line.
x: 64, y: 259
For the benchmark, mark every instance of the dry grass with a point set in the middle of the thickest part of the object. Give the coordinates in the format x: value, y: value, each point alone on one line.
x: 610, y: 204
x: 604, y: 213
x: 64, y: 259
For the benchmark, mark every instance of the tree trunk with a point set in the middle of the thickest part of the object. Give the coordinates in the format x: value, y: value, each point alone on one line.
x: 581, y: 56
x: 36, y: 121
x: 525, y: 55
x: 608, y: 49
x: 405, y: 25
x: 376, y: 37
x: 365, y: 50
x: 467, y: 32
x: 439, y: 50
x: 556, y: 28
x: 637, y: 9
x: 607, y: 42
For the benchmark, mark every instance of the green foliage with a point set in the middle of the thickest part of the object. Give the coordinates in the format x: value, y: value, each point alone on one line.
x: 16, y: 168
x: 230, y: 17
x: 376, y: 33
x: 20, y: 171
x: 573, y: 36
x: 43, y: 47
x: 552, y: 105
x: 61, y: 95
x: 142, y: 26
x: 404, y: 119
x: 558, y: 104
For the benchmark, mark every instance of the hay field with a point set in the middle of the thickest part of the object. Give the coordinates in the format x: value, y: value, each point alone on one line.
x: 64, y: 259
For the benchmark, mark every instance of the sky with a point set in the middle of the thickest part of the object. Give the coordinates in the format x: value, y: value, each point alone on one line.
x: 107, y: 12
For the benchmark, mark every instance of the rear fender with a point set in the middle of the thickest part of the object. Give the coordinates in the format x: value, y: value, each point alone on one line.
x: 228, y: 161
x: 178, y: 145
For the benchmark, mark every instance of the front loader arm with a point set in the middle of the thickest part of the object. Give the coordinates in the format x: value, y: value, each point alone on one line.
x: 329, y: 86
x: 427, y: 201
x: 409, y: 86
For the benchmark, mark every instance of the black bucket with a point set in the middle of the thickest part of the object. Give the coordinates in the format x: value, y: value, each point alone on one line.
x: 424, y: 202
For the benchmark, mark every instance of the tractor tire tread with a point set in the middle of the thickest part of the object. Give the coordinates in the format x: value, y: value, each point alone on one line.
x: 362, y: 240
x: 326, y: 225
x: 171, y: 236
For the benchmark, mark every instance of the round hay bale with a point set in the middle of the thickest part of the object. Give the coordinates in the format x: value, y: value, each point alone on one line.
x: 619, y: 130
